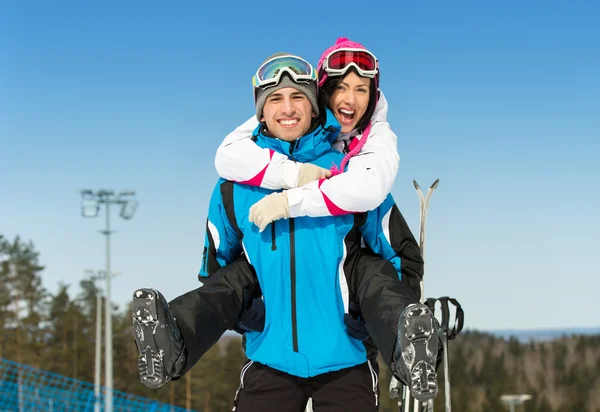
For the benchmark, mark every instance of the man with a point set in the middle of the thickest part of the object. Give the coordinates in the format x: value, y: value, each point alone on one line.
x: 305, y: 267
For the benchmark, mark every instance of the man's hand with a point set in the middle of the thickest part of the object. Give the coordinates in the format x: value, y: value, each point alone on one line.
x: 355, y: 323
x: 309, y: 172
x: 252, y: 317
x: 268, y: 209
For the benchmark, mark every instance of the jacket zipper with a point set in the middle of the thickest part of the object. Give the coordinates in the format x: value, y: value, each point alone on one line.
x: 273, y: 243
x: 293, y: 285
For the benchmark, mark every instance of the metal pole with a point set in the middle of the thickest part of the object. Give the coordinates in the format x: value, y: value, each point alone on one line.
x: 108, y: 333
x: 20, y: 390
x: 98, y: 350
x: 406, y: 397
x: 447, y: 401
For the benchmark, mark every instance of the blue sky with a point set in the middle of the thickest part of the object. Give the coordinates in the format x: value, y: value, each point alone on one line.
x: 500, y: 101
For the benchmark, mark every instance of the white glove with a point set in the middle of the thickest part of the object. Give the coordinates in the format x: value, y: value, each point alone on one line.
x: 309, y: 172
x: 268, y: 209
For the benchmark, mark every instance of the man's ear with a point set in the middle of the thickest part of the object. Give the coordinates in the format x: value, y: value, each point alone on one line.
x: 262, y: 118
x: 314, y: 114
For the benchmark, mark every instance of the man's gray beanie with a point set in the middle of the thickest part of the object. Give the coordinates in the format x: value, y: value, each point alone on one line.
x: 309, y: 89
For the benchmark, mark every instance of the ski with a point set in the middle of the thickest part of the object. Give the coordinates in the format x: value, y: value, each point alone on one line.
x: 397, y: 389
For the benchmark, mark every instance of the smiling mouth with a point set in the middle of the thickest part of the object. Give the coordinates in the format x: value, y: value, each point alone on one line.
x: 288, y: 122
x: 346, y: 116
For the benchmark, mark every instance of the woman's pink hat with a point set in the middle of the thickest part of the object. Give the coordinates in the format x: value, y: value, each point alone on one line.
x: 340, y: 43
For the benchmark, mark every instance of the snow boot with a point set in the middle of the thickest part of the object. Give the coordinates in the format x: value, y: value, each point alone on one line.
x: 416, y: 351
x: 158, y: 339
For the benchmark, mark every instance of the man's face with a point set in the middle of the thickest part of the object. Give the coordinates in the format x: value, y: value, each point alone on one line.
x: 288, y: 114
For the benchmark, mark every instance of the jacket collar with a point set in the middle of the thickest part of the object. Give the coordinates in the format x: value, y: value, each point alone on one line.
x: 309, y: 147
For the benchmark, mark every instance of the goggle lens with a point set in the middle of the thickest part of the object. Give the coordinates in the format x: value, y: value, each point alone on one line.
x: 271, y: 69
x: 340, y: 59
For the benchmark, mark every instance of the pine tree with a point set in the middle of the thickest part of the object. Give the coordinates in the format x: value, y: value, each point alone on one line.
x: 26, y: 312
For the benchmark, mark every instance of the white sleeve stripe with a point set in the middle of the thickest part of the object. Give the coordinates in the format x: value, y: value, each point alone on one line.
x: 342, y: 279
x: 215, y: 234
x: 246, y: 253
x: 385, y: 225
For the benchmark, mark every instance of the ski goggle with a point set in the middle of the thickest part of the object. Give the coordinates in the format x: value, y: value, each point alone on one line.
x: 339, y: 61
x: 270, y: 72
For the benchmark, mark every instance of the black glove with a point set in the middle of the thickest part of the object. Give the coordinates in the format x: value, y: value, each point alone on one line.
x: 355, y: 324
x: 252, y: 317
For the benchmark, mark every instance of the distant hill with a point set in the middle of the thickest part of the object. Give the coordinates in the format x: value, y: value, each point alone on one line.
x: 526, y: 335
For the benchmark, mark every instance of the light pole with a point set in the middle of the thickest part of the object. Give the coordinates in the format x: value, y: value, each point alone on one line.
x: 512, y: 400
x: 95, y: 276
x: 90, y: 206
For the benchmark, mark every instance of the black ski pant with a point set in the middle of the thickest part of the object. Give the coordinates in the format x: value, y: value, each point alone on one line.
x: 382, y: 297
x: 205, y: 313
x: 266, y: 389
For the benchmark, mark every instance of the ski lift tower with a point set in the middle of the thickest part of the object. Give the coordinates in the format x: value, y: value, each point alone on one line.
x: 513, y: 400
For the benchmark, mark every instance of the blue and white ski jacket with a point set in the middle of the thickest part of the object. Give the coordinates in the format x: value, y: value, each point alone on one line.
x: 301, y: 264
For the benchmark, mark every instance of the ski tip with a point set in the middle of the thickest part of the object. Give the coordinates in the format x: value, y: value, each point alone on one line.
x: 416, y: 184
x: 435, y: 184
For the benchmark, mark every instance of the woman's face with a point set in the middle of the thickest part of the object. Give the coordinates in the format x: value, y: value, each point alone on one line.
x: 350, y: 100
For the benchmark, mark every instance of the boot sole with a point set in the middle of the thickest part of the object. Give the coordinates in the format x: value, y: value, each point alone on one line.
x: 145, y: 324
x: 420, y: 329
